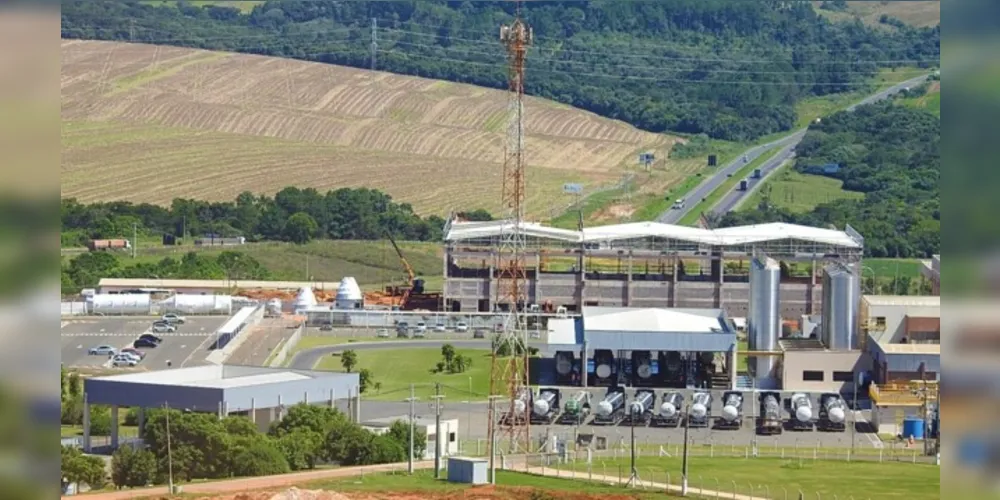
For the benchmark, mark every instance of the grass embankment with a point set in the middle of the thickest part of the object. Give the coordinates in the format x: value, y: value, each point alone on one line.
x: 372, y: 263
x: 826, y: 478
x: 800, y: 193
x: 715, y: 196
x: 396, y: 369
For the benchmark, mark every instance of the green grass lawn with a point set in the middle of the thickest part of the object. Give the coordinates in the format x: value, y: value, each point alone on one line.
x: 397, y: 369
x: 692, y: 216
x: 860, y: 480
x: 798, y: 192
x: 809, y: 109
x: 890, y: 268
x: 931, y: 101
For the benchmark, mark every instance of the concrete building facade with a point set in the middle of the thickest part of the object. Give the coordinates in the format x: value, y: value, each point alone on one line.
x: 894, y: 319
x: 818, y: 369
x: 262, y: 394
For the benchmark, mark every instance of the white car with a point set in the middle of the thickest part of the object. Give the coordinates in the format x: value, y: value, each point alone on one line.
x: 173, y: 318
x: 440, y: 327
x: 131, y: 355
x: 421, y: 327
x: 419, y: 334
x: 383, y: 333
x: 123, y: 360
x: 163, y: 328
x: 461, y: 327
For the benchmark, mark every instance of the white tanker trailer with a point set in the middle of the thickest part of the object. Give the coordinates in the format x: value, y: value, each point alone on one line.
x: 802, y: 413
x: 669, y: 414
x: 700, y: 412
x: 545, y: 407
x: 832, y: 413
x: 611, y: 409
x: 769, y: 419
x: 640, y: 410
x: 519, y: 409
x: 732, y: 411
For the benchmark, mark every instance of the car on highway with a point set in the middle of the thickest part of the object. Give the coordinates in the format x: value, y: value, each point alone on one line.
x: 440, y: 327
x: 679, y: 204
x: 152, y: 338
x: 132, y: 350
x: 462, y: 327
x: 123, y: 360
x: 144, y: 342
x: 102, y: 349
x: 746, y: 159
x: 173, y: 318
x: 163, y: 328
x: 383, y: 333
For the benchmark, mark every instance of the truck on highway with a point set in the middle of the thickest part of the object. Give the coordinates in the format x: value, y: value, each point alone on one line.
x: 757, y: 174
x: 118, y: 244
x: 743, y: 184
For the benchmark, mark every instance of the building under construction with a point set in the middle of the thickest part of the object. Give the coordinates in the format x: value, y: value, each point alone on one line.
x: 645, y: 264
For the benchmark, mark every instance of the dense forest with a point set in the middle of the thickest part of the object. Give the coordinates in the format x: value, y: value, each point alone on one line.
x: 889, y: 152
x: 293, y: 214
x: 730, y: 69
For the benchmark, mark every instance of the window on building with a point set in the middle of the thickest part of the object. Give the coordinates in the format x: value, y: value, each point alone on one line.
x: 843, y: 376
x: 812, y: 376
x: 880, y: 322
x: 451, y: 437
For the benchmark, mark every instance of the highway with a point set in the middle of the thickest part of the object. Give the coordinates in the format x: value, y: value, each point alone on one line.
x: 734, y: 196
x: 788, y: 144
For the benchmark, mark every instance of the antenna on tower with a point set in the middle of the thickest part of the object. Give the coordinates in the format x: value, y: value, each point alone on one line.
x: 509, y: 375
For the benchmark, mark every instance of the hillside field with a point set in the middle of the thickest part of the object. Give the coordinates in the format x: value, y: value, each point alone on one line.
x: 798, y: 192
x: 150, y: 123
x: 921, y: 13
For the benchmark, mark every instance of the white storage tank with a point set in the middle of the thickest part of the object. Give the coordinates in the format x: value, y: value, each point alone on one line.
x: 119, y: 303
x: 198, y: 304
x: 349, y: 294
x: 305, y: 299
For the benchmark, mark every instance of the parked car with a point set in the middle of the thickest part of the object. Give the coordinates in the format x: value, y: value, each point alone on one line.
x: 173, y: 318
x: 132, y: 350
x: 123, y: 360
x: 152, y: 338
x: 479, y: 334
x: 421, y: 327
x: 462, y: 327
x: 440, y: 327
x: 130, y: 355
x: 383, y: 333
x: 326, y: 328
x: 419, y: 334
x: 144, y: 342
x: 163, y: 328
x: 102, y: 349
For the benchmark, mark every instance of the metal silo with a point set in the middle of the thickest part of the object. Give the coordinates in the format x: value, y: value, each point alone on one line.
x: 841, y: 296
x: 764, y: 321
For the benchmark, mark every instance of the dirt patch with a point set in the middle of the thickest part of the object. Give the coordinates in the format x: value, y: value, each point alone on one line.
x: 614, y: 212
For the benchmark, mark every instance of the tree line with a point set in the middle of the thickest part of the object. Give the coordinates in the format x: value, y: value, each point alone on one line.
x: 293, y: 214
x: 726, y: 68
x: 887, y: 151
x: 202, y: 446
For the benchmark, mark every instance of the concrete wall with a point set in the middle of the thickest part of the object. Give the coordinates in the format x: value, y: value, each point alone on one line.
x: 895, y: 324
x: 282, y: 354
x: 827, y: 362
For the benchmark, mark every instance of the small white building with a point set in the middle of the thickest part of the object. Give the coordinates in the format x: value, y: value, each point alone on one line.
x: 449, y: 432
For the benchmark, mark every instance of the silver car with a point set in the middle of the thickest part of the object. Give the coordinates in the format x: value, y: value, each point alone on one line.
x: 123, y: 360
x: 102, y: 349
x: 383, y: 333
x: 163, y: 328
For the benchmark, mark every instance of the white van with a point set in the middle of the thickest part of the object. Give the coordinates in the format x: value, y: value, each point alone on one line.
x: 679, y: 204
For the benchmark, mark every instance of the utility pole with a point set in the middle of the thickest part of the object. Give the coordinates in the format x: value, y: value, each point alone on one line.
x: 131, y: 30
x: 437, y: 431
x: 409, y: 460
x: 633, y: 479
x: 170, y: 460
x: 374, y: 42
x: 493, y: 438
x: 684, y: 461
x: 135, y: 240
x: 854, y: 411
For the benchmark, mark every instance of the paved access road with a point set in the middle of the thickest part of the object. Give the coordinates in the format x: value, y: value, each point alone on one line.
x: 787, y: 143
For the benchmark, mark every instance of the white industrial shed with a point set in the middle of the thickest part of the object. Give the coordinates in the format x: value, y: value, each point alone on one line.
x: 731, y: 236
x: 117, y: 285
x: 260, y: 393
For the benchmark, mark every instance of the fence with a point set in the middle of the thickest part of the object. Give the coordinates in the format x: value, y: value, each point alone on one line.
x: 279, y: 357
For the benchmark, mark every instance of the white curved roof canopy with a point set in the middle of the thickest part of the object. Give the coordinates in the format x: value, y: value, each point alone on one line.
x: 730, y: 236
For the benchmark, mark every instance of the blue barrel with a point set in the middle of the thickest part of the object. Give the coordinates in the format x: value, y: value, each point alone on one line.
x: 913, y: 427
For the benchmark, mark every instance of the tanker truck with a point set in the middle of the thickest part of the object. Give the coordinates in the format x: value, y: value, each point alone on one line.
x: 576, y: 409
x: 769, y: 415
x: 832, y: 413
x: 732, y: 411
x: 700, y: 412
x: 640, y: 410
x: 611, y: 409
x: 802, y: 413
x: 669, y: 414
x: 545, y: 407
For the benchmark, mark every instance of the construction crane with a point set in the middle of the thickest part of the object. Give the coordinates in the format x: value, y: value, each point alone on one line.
x: 413, y: 285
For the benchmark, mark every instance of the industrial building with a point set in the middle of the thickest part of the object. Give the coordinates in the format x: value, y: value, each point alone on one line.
x: 641, y: 347
x: 260, y: 393
x: 449, y: 431
x: 207, y: 287
x: 643, y: 265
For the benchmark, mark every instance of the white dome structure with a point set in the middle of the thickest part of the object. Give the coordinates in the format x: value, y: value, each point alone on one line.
x: 305, y: 299
x: 349, y: 294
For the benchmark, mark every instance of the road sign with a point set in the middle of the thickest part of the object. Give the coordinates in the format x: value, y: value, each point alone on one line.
x: 573, y: 188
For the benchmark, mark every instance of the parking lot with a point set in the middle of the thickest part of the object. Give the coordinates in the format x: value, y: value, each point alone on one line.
x: 188, y: 346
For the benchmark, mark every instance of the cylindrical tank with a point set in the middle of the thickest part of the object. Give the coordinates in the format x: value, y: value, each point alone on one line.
x: 802, y: 407
x: 839, y: 330
x: 603, y: 368
x: 198, y: 304
x: 119, y: 303
x: 642, y: 402
x: 770, y: 407
x: 834, y: 407
x: 521, y: 403
x: 671, y: 404
x: 564, y: 363
x: 913, y: 427
x: 643, y: 364
x: 764, y: 320
x: 611, y: 402
x: 701, y: 403
x: 574, y: 405
x: 731, y: 407
x: 349, y: 294
x: 543, y: 403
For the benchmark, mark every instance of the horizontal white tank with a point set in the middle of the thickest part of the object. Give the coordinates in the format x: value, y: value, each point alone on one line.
x: 198, y: 304
x: 119, y: 303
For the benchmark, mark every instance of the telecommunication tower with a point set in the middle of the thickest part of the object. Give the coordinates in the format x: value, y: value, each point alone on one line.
x: 509, y: 375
